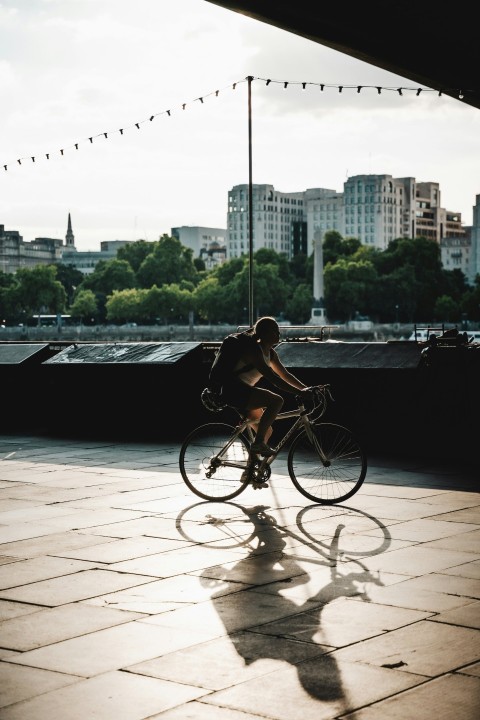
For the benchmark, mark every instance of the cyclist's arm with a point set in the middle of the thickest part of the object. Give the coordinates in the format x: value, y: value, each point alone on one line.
x: 279, y: 376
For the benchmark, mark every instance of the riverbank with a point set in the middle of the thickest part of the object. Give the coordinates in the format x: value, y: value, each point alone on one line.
x: 200, y: 333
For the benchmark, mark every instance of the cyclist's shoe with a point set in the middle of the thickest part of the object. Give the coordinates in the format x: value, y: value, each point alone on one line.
x: 259, y: 485
x: 261, y: 448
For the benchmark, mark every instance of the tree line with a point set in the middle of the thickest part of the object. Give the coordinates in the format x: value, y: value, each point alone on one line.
x: 161, y: 282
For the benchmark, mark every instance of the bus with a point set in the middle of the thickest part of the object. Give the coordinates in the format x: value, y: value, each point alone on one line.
x: 44, y: 320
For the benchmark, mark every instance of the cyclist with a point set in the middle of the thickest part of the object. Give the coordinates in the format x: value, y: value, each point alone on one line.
x: 257, y: 359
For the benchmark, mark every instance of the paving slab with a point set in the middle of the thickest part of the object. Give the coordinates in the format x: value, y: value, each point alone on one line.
x: 317, y: 689
x: 113, y: 648
x: 46, y: 627
x: 452, y: 697
x: 434, y: 648
x: 109, y: 696
x: 79, y: 586
x: 21, y: 683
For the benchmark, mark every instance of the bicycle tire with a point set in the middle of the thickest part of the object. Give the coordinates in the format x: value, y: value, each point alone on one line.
x: 214, y: 525
x: 363, y: 535
x: 196, y: 453
x: 335, y: 482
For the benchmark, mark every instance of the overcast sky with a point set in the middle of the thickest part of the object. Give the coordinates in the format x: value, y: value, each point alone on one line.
x: 71, y: 70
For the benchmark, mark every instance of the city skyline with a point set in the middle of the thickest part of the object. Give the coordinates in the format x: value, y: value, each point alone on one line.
x: 75, y: 71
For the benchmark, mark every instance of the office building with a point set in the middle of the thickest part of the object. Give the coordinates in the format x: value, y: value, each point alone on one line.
x: 15, y: 253
x: 275, y: 216
x: 207, y: 243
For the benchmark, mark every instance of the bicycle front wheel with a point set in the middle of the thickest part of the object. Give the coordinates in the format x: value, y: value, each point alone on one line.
x: 212, y: 463
x: 330, y: 469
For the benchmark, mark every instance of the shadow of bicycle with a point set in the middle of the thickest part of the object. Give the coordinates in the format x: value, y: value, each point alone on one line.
x: 306, y: 565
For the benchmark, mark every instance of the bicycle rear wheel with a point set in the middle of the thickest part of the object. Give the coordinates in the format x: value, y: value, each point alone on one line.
x: 338, y: 477
x: 209, y: 468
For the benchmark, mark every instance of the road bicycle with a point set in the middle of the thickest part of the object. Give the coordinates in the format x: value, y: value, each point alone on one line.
x: 326, y: 463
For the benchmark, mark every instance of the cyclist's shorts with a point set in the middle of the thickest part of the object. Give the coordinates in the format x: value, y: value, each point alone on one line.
x: 236, y: 393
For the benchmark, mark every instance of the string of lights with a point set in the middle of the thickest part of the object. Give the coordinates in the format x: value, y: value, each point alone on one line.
x: 379, y: 88
x: 216, y: 93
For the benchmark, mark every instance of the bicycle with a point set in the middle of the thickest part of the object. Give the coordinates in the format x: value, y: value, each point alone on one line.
x: 326, y: 463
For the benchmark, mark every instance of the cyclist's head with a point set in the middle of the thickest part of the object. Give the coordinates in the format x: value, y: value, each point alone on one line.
x: 266, y: 328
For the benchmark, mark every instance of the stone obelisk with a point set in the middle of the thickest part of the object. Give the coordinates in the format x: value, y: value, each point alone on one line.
x: 319, y: 316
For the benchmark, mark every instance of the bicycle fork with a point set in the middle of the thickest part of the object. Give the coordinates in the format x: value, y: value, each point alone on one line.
x: 314, y: 440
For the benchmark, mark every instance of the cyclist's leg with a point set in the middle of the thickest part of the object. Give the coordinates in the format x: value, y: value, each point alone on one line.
x: 263, y: 405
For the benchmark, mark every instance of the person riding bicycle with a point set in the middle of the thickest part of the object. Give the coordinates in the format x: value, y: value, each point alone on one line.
x: 257, y: 359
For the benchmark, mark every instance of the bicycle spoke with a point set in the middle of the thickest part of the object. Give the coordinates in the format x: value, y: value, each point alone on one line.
x: 210, y: 466
x: 329, y: 470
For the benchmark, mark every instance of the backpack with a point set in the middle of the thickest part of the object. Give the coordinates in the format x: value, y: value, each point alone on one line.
x: 227, y: 357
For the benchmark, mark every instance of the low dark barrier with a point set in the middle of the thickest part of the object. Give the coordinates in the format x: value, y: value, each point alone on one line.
x: 399, y: 397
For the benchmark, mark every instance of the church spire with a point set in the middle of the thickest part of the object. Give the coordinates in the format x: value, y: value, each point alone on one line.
x: 69, y: 237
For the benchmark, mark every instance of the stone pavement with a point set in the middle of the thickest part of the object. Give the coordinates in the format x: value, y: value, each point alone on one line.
x: 125, y: 597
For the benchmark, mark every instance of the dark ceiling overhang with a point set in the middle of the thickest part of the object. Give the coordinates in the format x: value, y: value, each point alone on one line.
x: 430, y: 43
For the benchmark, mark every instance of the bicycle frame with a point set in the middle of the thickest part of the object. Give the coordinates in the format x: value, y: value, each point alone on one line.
x: 245, y: 424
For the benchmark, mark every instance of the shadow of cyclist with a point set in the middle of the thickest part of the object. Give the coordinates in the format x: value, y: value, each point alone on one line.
x: 268, y: 565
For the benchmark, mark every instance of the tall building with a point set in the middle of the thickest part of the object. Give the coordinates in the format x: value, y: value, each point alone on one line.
x: 275, y: 219
x: 475, y: 237
x: 323, y: 211
x: 456, y: 254
x: 462, y: 251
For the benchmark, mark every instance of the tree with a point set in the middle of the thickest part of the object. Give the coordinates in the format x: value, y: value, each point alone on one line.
x: 267, y: 256
x: 124, y: 305
x: 470, y: 303
x: 332, y: 244
x: 170, y: 262
x: 446, y: 309
x: 347, y: 287
x: 84, y: 305
x: 298, y: 267
x: 210, y: 299
x: 38, y: 291
x: 393, y: 296
x: 299, y: 306
x: 70, y: 278
x: 270, y: 291
x: 135, y: 253
x: 10, y: 310
x: 110, y: 275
